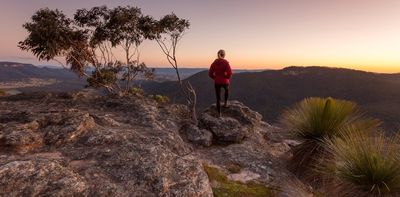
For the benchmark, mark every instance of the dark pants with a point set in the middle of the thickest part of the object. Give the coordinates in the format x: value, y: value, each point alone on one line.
x: 218, y: 93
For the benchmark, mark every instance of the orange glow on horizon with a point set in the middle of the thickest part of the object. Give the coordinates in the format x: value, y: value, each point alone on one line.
x: 256, y: 34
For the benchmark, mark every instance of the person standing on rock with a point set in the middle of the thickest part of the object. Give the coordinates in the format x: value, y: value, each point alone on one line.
x: 220, y: 71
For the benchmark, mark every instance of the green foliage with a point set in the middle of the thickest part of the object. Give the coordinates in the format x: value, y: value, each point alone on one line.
x: 364, y: 165
x: 222, y: 186
x: 103, y: 77
x: 50, y: 34
x: 160, y: 99
x: 89, y: 39
x: 316, y: 120
x: 172, y: 25
x: 136, y: 91
x: 119, y: 25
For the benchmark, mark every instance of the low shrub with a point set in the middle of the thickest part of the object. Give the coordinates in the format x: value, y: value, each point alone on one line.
x: 363, y: 165
x: 160, y: 99
x: 136, y: 91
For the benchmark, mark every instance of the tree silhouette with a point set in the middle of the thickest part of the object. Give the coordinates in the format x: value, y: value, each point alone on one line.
x: 89, y: 40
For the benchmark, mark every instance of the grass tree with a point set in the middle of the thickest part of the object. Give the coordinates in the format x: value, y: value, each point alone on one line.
x: 363, y: 165
x: 312, y: 122
x: 90, y: 40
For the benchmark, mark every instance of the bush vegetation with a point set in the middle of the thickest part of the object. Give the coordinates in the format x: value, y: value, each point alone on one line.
x: 313, y: 121
x: 160, y: 99
x: 343, y: 149
x: 363, y: 165
x: 136, y: 91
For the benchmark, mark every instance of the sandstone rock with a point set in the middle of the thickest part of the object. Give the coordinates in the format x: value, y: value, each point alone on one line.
x: 40, y: 178
x: 21, y: 138
x: 128, y: 147
x: 244, y: 176
x: 236, y: 123
x: 278, y: 149
x: 151, y: 170
x: 16, y: 116
x: 105, y: 120
x: 239, y: 112
x: 196, y: 135
x: 23, y: 141
x: 63, y: 127
x: 225, y: 129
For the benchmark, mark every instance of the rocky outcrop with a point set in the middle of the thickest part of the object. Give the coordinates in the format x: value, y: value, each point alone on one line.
x: 40, y: 178
x: 95, y: 146
x: 60, y: 128
x: 20, y: 138
x: 236, y: 123
x: 239, y: 112
x: 226, y: 130
x: 55, y: 128
x: 86, y: 144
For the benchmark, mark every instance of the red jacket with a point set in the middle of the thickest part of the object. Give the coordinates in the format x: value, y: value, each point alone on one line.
x: 220, y: 71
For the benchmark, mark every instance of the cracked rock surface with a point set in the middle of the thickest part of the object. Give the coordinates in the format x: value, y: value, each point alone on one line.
x: 81, y: 144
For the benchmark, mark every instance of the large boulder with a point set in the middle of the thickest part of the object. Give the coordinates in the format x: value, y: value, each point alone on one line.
x: 236, y: 123
x: 225, y: 129
x: 40, y: 178
x: 239, y: 112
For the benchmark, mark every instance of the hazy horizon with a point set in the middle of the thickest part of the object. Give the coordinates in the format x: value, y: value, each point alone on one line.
x: 257, y: 34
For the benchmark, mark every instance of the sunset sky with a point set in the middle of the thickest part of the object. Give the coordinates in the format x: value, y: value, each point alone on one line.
x: 256, y: 34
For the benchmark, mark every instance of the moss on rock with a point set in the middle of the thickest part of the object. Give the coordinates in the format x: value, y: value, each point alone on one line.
x: 222, y: 186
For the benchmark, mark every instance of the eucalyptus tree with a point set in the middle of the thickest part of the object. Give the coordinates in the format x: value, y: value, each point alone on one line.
x: 167, y: 32
x: 89, y: 41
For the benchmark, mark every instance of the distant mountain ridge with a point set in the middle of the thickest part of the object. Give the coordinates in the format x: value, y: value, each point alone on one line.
x: 10, y: 71
x: 270, y: 92
x: 28, y: 77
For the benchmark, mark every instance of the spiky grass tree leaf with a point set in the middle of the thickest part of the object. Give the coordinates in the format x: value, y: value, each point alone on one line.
x: 363, y: 164
x: 314, y: 120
